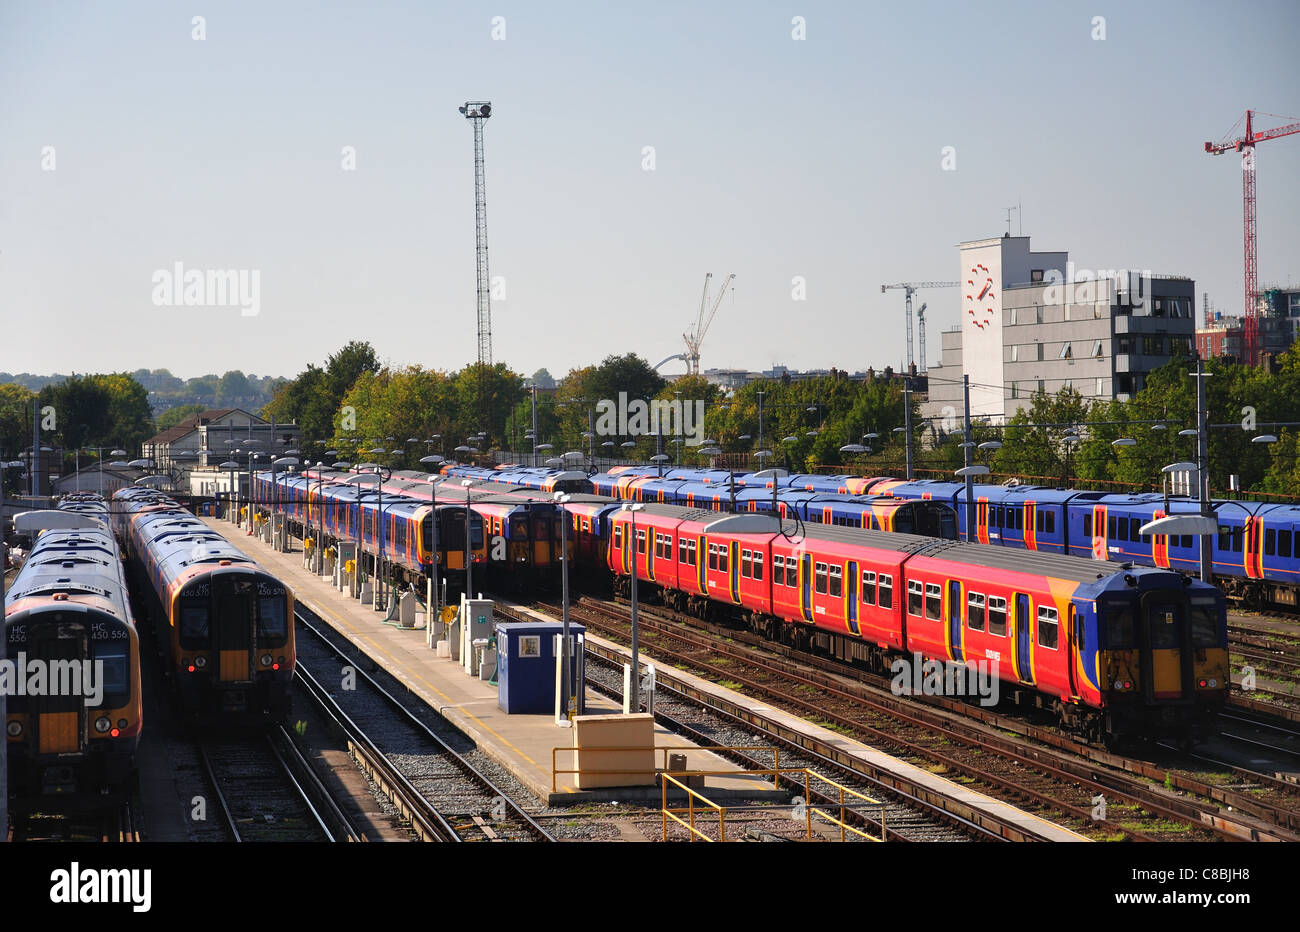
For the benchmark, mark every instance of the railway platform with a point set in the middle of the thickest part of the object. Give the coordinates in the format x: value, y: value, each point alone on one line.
x: 523, y: 744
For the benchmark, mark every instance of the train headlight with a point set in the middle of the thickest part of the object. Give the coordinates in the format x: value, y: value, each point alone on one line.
x: 200, y: 662
x: 14, y: 728
x: 1214, y: 684
x: 103, y: 724
x: 266, y: 660
x: 121, y: 723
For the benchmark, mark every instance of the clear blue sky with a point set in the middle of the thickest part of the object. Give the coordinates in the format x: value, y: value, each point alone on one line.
x: 774, y: 158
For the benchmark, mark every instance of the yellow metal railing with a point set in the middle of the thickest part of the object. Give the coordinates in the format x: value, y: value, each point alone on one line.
x: 691, y: 796
x: 846, y: 803
x: 666, y: 749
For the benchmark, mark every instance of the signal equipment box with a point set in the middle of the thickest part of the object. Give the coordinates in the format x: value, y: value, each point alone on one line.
x: 526, y: 677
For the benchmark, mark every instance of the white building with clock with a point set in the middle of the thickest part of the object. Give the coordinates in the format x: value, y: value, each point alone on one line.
x: 1031, y: 321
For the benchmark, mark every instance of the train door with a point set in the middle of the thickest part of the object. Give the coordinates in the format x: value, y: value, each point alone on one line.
x: 232, y: 633
x: 954, y: 621
x: 1100, y: 548
x: 1074, y: 647
x: 59, y: 720
x: 733, y: 570
x: 851, y: 583
x: 1031, y: 529
x: 1165, y: 654
x: 1160, y: 544
x: 982, y: 521
x: 1254, y: 556
x: 805, y: 586
x: 1024, y: 668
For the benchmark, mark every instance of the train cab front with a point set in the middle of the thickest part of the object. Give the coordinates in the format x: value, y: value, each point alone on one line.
x: 234, y: 646
x: 74, y: 709
x: 1163, y: 658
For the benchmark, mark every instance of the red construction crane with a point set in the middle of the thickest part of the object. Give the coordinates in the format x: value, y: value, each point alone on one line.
x: 1246, y: 146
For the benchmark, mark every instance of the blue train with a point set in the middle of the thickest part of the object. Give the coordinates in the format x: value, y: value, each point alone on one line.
x: 714, y: 490
x: 1256, y: 554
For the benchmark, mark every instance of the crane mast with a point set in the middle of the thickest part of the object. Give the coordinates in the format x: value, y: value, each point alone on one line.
x: 1245, y: 144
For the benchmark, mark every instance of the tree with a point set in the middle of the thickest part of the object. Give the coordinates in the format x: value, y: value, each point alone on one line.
x: 173, y: 416
x: 308, y: 402
x: 15, y: 419
x: 233, y: 389
x: 345, y: 367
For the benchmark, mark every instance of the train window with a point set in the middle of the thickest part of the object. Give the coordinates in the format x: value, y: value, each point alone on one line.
x: 1048, y: 627
x: 1270, y: 542
x: 690, y: 552
x: 1118, y: 627
x: 1236, y: 539
x: 975, y: 611
x: 1087, y: 525
x: 758, y: 565
x: 1284, y: 543
x: 1019, y: 515
x: 885, y: 591
x: 115, y: 675
x: 933, y: 601
x: 1038, y: 521
x: 1122, y: 527
x: 997, y: 616
x: 640, y: 541
x: 837, y: 581
x: 713, y: 556
x: 868, y: 588
x: 681, y: 550
x: 723, y: 556
x: 1113, y: 533
x: 1162, y: 632
x: 618, y: 537
x: 747, y: 564
x: 1225, y: 537
x: 1134, y: 528
x: 194, y: 622
x: 914, y: 595
x: 272, y: 624
x: 791, y: 573
x: 778, y: 570
x: 821, y: 578
x: 1204, y: 617
x: 518, y: 528
x: 1049, y: 520
x: 995, y: 518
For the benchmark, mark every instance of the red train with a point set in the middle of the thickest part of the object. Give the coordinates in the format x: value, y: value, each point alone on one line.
x: 1109, y: 650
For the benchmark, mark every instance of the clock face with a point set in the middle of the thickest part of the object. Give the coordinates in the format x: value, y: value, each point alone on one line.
x: 979, y: 296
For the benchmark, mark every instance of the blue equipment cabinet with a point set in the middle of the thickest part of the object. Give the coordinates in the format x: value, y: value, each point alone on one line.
x: 526, y: 653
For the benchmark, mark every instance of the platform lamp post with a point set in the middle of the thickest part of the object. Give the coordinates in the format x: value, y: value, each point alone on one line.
x: 566, y: 701
x: 383, y: 475
x: 634, y: 699
x: 115, y: 454
x: 233, y: 468
x: 276, y: 518
x: 357, y: 479
x: 469, y: 561
x: 432, y: 597
x: 318, y: 561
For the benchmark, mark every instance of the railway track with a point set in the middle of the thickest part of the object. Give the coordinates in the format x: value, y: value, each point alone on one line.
x: 913, y: 813
x: 441, y: 794
x: 263, y: 790
x: 1063, y: 778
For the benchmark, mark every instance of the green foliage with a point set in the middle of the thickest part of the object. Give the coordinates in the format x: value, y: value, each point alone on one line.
x: 106, y: 410
x: 173, y: 416
x: 15, y: 419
